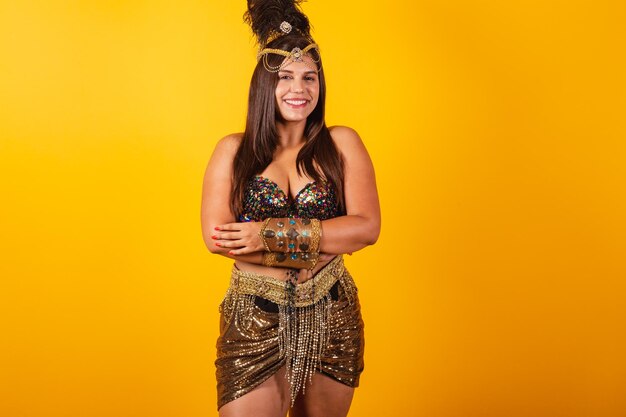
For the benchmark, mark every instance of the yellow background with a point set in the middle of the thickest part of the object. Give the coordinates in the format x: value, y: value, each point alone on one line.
x: 497, y: 131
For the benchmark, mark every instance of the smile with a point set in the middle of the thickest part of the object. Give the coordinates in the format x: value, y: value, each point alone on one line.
x: 296, y: 103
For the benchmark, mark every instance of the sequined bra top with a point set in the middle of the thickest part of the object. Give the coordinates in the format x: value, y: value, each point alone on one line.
x: 263, y: 198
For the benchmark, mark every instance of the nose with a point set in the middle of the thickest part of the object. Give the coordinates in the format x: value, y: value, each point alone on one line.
x: 296, y: 86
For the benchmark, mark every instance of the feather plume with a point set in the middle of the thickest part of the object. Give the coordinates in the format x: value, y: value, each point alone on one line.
x: 265, y: 17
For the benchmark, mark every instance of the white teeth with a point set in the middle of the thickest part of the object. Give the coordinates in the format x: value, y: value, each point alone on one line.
x: 296, y: 102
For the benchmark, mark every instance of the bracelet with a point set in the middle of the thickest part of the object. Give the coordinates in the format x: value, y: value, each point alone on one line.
x: 262, y: 233
x: 291, y: 235
x: 298, y: 260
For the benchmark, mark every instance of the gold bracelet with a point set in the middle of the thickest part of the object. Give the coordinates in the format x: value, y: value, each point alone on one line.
x: 316, y: 235
x: 262, y: 233
x: 291, y: 235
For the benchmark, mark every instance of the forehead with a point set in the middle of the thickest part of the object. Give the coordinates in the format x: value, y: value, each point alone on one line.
x: 306, y: 65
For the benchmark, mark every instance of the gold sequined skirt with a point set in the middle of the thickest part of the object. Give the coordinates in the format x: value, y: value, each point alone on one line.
x: 265, y: 323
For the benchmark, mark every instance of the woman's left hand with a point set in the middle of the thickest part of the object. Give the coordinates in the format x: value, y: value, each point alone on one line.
x: 240, y: 238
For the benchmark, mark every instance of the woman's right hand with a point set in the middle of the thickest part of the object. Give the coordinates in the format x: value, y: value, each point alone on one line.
x: 305, y: 274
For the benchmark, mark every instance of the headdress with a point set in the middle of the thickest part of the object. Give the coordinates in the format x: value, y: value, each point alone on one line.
x: 272, y: 19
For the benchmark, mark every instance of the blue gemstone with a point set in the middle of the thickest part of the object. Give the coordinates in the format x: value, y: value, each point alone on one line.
x: 291, y: 246
x: 292, y: 221
x: 294, y: 256
x: 279, y: 234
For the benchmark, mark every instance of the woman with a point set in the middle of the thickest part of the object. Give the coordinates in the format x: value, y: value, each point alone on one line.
x: 285, y: 199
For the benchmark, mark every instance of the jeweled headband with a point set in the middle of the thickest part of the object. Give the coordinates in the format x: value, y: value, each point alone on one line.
x: 272, y: 19
x: 295, y: 55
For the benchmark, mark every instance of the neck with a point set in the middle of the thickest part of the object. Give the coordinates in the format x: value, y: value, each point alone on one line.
x: 290, y: 134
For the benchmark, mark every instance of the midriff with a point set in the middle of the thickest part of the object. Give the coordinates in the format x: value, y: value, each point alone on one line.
x: 278, y: 273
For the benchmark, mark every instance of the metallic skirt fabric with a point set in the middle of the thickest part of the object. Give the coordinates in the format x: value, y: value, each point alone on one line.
x: 264, y: 325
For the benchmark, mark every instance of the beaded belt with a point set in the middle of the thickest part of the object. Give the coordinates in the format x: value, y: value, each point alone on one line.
x: 277, y: 291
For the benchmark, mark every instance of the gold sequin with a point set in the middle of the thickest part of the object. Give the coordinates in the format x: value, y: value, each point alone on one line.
x: 312, y: 333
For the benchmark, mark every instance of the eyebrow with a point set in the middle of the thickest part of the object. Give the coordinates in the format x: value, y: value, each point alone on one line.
x: 291, y: 72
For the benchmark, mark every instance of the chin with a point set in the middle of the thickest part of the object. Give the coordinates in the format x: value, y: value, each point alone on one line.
x: 292, y: 118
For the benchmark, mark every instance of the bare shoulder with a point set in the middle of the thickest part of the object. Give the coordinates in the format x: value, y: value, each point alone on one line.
x: 224, y: 154
x: 341, y: 134
x: 347, y: 141
x: 229, y: 143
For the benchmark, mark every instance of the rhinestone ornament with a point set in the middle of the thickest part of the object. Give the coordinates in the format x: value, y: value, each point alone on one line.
x: 263, y: 198
x: 285, y: 27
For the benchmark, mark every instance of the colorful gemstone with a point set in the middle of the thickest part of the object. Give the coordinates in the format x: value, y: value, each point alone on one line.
x: 269, y: 233
x: 263, y: 199
x: 294, y: 256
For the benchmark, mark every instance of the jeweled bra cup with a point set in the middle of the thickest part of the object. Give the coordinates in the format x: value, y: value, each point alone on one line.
x: 263, y: 198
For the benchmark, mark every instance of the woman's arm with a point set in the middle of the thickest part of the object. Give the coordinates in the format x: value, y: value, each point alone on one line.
x: 360, y: 226
x: 216, y: 189
x: 215, y: 207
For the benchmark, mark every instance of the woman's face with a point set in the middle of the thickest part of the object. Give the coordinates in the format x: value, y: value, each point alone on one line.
x: 298, y: 90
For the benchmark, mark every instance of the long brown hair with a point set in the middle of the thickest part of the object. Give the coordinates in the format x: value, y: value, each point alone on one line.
x: 260, y: 137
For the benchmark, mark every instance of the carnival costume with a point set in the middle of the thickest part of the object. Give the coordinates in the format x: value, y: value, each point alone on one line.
x: 267, y: 323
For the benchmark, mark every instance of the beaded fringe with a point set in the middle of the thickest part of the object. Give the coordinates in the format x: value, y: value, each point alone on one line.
x: 303, y: 331
x: 303, y: 335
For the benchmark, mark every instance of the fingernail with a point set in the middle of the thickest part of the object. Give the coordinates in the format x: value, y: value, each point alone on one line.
x: 218, y: 244
x: 217, y: 228
x: 214, y: 237
x: 230, y: 252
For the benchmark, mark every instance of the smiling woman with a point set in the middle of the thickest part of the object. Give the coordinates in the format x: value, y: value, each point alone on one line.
x: 285, y: 199
x: 298, y: 90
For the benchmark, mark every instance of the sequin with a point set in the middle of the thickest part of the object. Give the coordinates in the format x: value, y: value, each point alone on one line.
x: 263, y: 198
x: 249, y: 345
x: 253, y: 342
